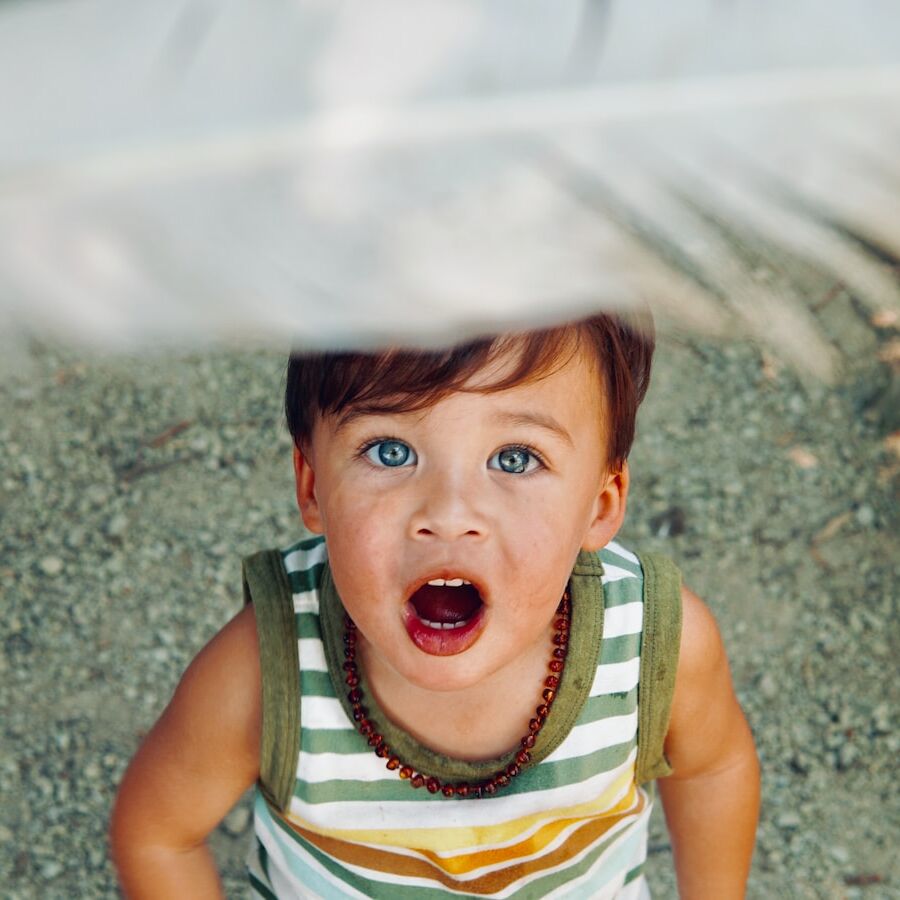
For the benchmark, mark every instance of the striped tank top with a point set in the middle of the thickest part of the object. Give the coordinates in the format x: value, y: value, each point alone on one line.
x: 572, y: 824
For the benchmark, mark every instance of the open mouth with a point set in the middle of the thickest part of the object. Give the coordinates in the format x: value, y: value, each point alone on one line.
x: 444, y: 616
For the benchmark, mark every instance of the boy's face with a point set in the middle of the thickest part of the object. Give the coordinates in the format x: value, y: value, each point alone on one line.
x: 498, y: 489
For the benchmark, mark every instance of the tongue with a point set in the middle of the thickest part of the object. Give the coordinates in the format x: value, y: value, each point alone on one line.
x: 446, y: 604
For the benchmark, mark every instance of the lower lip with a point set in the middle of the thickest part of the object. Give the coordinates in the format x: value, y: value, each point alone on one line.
x: 442, y: 641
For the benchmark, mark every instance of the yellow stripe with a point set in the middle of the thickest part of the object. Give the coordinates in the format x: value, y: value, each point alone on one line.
x: 473, y: 837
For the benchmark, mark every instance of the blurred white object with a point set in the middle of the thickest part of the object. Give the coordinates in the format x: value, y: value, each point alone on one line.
x: 346, y: 174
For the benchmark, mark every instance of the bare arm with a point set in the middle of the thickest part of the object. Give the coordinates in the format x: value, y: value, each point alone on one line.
x: 712, y: 799
x: 192, y: 767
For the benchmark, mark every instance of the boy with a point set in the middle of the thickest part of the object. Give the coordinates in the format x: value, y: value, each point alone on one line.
x: 470, y: 695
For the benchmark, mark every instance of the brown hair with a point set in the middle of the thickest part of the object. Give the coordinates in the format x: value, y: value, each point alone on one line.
x: 401, y: 380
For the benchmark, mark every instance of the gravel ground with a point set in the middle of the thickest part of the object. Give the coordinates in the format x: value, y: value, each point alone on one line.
x: 130, y: 489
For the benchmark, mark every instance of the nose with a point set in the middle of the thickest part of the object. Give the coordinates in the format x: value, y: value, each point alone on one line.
x: 447, y: 510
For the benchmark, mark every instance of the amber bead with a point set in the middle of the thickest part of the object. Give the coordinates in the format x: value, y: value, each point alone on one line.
x: 359, y: 712
x: 406, y: 772
x: 534, y: 726
x: 350, y: 652
x: 350, y: 638
x: 488, y: 788
x: 523, y: 757
x: 528, y: 741
x: 349, y: 666
x: 561, y: 624
x: 393, y: 763
x: 382, y: 751
x: 352, y: 679
x: 462, y: 790
x: 375, y: 739
x: 355, y: 696
x: 560, y: 639
x: 501, y: 780
x: 512, y: 770
x: 560, y: 653
x: 556, y: 665
x: 417, y: 780
x: 548, y: 695
x: 448, y: 790
x: 366, y: 728
x: 433, y: 785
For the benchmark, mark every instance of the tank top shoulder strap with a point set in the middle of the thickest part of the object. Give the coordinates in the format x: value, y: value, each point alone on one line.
x: 660, y: 643
x: 267, y: 587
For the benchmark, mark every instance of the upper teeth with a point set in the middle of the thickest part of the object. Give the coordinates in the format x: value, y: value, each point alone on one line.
x: 448, y: 582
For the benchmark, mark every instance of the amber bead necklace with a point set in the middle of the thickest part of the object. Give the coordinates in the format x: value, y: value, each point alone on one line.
x: 502, y: 777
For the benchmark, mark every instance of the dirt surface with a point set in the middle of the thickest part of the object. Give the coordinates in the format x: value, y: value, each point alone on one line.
x: 130, y: 489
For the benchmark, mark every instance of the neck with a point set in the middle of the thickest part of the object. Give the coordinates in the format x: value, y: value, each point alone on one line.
x: 480, y: 722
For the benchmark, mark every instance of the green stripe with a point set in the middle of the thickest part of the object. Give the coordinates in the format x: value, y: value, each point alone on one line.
x: 307, y: 625
x: 305, y: 579
x: 607, y: 705
x: 625, y: 590
x: 316, y: 684
x: 544, y: 777
x: 620, y: 649
x: 260, y: 888
x: 634, y: 873
x: 332, y: 740
x: 609, y: 558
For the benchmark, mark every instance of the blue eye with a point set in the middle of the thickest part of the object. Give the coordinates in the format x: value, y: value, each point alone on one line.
x: 392, y: 454
x: 515, y: 460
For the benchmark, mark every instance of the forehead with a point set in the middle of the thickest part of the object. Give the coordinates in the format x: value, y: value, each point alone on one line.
x: 570, y: 386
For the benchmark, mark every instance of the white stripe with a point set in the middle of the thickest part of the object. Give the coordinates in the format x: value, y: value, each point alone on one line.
x: 619, y: 550
x: 625, y: 619
x: 307, y: 602
x: 323, y: 712
x: 301, y: 560
x: 317, y: 768
x: 616, y: 678
x: 312, y: 656
x: 614, y: 573
x: 585, y: 739
x: 403, y: 814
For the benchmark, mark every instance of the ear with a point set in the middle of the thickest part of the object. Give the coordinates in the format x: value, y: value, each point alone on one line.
x: 609, y: 510
x: 305, y: 479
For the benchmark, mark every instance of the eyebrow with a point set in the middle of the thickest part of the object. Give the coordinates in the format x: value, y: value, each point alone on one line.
x: 514, y: 419
x: 547, y: 422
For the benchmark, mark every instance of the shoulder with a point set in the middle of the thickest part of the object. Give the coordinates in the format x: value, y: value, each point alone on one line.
x: 203, y: 752
x: 705, y: 716
x: 702, y: 649
x: 219, y: 696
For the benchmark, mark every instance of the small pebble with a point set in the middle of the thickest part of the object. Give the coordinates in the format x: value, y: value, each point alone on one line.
x: 51, y: 870
x: 768, y: 687
x: 117, y: 525
x: 847, y: 755
x: 51, y: 565
x: 865, y: 515
x: 788, y: 820
x: 840, y: 854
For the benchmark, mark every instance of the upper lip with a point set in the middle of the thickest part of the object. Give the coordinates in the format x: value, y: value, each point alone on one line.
x: 447, y: 572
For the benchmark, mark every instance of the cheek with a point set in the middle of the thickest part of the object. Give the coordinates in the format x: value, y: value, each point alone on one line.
x: 360, y: 527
